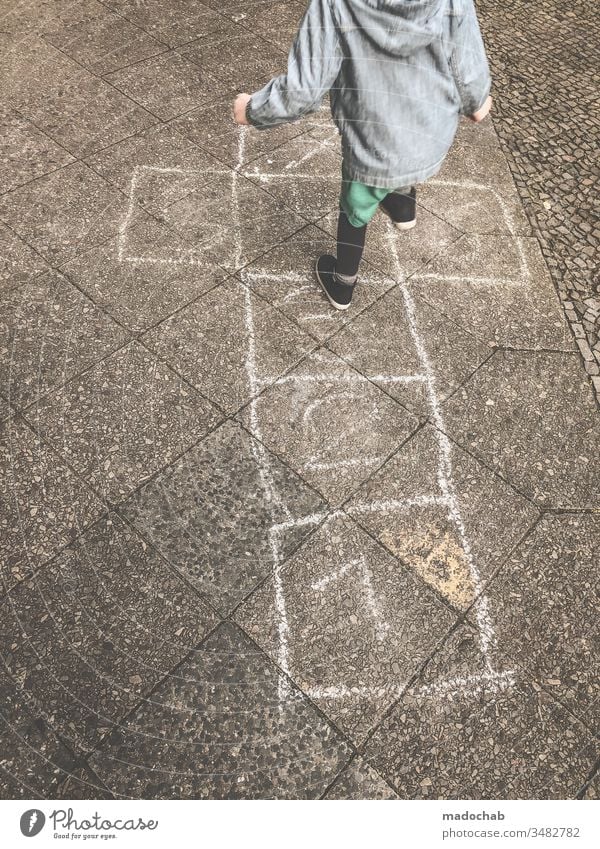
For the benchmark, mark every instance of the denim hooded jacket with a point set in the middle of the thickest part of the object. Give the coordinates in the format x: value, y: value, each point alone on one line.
x: 399, y: 74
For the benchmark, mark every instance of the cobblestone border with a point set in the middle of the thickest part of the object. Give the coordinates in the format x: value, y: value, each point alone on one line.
x: 543, y: 64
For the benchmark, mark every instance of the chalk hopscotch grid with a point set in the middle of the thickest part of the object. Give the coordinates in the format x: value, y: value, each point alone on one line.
x: 492, y: 679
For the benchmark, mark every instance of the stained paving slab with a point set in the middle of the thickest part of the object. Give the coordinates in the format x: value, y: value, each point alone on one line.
x: 252, y: 547
x: 409, y: 507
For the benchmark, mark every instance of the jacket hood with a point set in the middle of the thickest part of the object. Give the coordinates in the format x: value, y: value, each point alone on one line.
x: 397, y: 27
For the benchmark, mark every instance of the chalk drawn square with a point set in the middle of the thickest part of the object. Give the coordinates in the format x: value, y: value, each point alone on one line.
x: 167, y: 186
x: 359, y: 624
x: 330, y: 423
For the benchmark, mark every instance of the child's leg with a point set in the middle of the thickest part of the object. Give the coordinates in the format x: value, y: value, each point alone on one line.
x: 337, y: 275
x: 401, y: 206
x: 350, y: 245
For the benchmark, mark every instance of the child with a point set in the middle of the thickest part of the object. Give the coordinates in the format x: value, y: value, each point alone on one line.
x: 399, y: 74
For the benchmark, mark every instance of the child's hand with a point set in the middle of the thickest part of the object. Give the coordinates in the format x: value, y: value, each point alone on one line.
x: 239, y: 109
x: 481, y: 113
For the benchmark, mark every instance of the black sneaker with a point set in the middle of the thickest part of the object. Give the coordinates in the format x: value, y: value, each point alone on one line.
x: 339, y: 294
x: 401, y: 208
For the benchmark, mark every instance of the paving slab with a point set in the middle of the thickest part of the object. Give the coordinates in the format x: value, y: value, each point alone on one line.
x: 26, y: 152
x: 217, y: 730
x: 498, y: 288
x: 303, y: 173
x: 220, y: 55
x: 231, y: 221
x: 20, y: 21
x: 5, y: 410
x: 167, y: 85
x: 475, y: 208
x: 545, y: 603
x: 82, y: 112
x: 531, y: 417
x: 457, y: 735
x: 275, y: 22
x: 98, y: 628
x: 65, y: 212
x: 593, y: 790
x: 400, y: 254
x: 83, y: 783
x: 32, y: 758
x: 123, y: 420
x: 213, y: 129
x: 467, y: 162
x: 384, y: 346
x: 44, y: 506
x: 443, y: 514
x: 30, y: 68
x: 64, y: 14
x: 144, y: 241
x: 285, y: 277
x: 474, y: 190
x: 144, y: 276
x: 103, y: 43
x: 226, y: 6
x: 482, y: 135
x: 356, y: 624
x: 156, y: 167
x: 223, y: 513
x: 332, y: 425
x: 173, y: 23
x: 360, y: 781
x: 229, y: 344
x: 50, y: 331
x: 18, y: 261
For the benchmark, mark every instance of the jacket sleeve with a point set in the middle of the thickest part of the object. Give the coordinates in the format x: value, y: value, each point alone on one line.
x: 313, y: 65
x: 468, y: 60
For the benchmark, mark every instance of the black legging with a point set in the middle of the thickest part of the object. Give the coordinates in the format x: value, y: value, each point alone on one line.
x: 351, y: 240
x: 350, y: 244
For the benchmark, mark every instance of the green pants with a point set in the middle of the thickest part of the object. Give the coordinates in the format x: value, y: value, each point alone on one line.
x: 360, y: 201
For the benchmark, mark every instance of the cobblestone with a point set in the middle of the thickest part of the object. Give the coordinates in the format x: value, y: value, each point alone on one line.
x: 547, y: 119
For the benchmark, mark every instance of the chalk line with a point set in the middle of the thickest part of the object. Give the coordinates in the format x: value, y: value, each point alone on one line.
x: 444, y: 474
x: 469, y: 685
x: 387, y: 505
